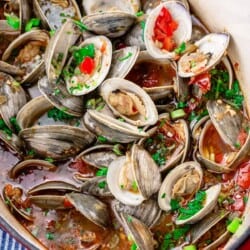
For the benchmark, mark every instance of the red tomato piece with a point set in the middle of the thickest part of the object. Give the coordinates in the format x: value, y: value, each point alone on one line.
x: 243, y: 175
x: 169, y: 44
x: 242, y: 137
x: 203, y: 81
x: 219, y: 157
x: 67, y: 203
x: 87, y: 65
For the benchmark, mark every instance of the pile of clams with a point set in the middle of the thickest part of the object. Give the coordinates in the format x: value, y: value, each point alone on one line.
x: 122, y: 126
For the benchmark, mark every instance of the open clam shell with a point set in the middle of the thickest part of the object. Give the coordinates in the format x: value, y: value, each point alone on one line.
x: 211, y: 200
x: 129, y: 101
x: 53, y: 13
x: 163, y: 142
x: 183, y: 179
x: 165, y: 70
x: 182, y: 34
x: 122, y: 61
x: 12, y: 98
x: 80, y: 83
x: 230, y: 158
x: 30, y: 46
x: 112, y: 129
x: 134, y: 178
x: 206, y: 225
x: 58, y: 48
x: 210, y: 50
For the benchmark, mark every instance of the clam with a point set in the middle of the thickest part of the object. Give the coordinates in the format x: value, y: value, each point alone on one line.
x: 212, y: 194
x: 18, y: 8
x: 198, y: 29
x: 148, y: 212
x: 53, y: 13
x: 213, y: 221
x: 129, y: 101
x: 90, y: 207
x: 56, y: 141
x: 223, y: 142
x: 182, y: 181
x: 12, y: 196
x: 98, y: 156
x: 13, y: 142
x: 158, y: 77
x: 95, y: 186
x: 112, y: 129
x: 122, y: 61
x: 58, y: 48
x: 168, y: 143
x: 110, y: 18
x: 12, y: 98
x: 11, y: 69
x: 182, y: 33
x: 20, y: 167
x: 210, y: 49
x: 81, y: 82
x: 138, y: 232
x: 57, y: 94
x: 30, y: 47
x: 134, y: 178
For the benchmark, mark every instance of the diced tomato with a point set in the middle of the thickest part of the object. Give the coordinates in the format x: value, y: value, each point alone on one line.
x: 242, y: 137
x: 87, y: 65
x: 243, y: 175
x: 169, y: 44
x: 203, y: 81
x: 67, y: 203
x: 82, y: 167
x: 164, y: 29
x: 228, y: 176
x: 219, y: 157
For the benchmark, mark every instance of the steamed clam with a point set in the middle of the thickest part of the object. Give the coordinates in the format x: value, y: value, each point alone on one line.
x: 114, y: 109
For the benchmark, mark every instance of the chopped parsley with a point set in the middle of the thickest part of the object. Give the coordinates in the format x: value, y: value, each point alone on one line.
x: 134, y: 246
x: 4, y: 128
x: 13, y: 21
x: 59, y: 115
x: 49, y: 159
x: 117, y: 149
x: 102, y: 171
x: 86, y: 51
x: 50, y: 236
x: 125, y: 57
x: 102, y: 139
x: 160, y: 156
x: 15, y: 124
x: 193, y: 206
x: 174, y: 204
x: 139, y: 13
x: 163, y: 195
x: 134, y: 186
x: 102, y: 184
x: 180, y: 49
x: 80, y: 25
x: 33, y: 22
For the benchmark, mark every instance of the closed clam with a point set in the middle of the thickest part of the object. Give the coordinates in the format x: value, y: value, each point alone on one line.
x: 110, y: 18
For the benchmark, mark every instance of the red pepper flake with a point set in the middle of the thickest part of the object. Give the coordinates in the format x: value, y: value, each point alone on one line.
x: 104, y: 47
x: 236, y: 66
x: 164, y: 30
x: 67, y: 203
x: 87, y: 65
x: 203, y: 81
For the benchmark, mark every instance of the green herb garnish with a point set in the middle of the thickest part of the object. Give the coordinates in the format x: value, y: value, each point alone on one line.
x: 13, y: 21
x: 59, y: 115
x: 174, y: 204
x: 80, y: 25
x: 14, y: 123
x: 180, y: 49
x: 80, y: 54
x: 102, y: 184
x: 50, y: 236
x: 5, y: 128
x: 139, y: 13
x: 160, y: 156
x: 125, y: 57
x: 102, y: 139
x: 134, y: 246
x: 102, y: 171
x: 49, y: 159
x: 33, y: 22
